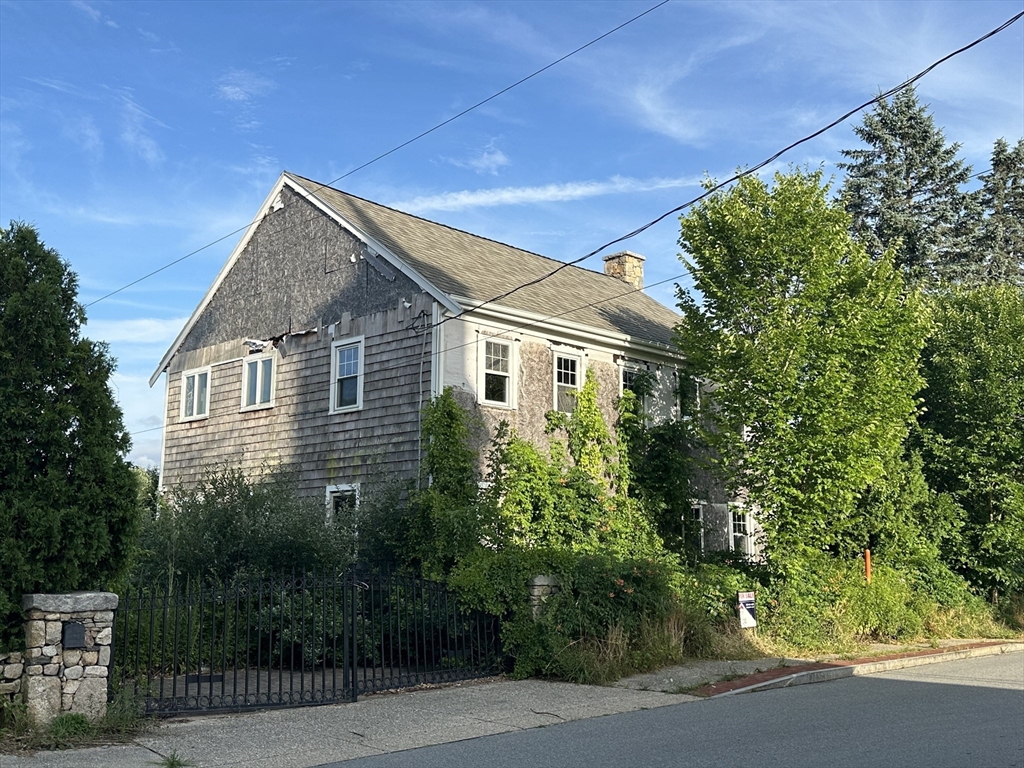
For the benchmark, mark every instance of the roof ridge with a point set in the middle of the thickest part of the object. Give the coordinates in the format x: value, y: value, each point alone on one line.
x: 321, y: 185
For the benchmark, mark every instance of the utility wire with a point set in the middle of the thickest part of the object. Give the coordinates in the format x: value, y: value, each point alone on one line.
x: 311, y: 193
x: 882, y: 96
x: 533, y: 323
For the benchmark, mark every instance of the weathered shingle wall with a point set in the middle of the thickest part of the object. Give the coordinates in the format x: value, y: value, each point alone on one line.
x: 299, y: 269
x: 298, y: 432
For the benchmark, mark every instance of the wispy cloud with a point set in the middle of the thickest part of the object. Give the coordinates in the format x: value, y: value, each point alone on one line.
x: 242, y: 88
x: 241, y: 85
x: 486, y: 161
x: 139, y: 330
x: 548, y: 193
x: 84, y: 132
x: 62, y: 86
x: 135, y: 135
x: 93, y: 13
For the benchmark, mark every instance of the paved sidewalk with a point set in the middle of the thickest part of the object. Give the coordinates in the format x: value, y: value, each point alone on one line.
x: 312, y: 736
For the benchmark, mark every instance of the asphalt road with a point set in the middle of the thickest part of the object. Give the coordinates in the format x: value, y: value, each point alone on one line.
x: 959, y: 714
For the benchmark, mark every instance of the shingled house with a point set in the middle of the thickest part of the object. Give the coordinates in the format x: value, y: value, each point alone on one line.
x: 335, y: 319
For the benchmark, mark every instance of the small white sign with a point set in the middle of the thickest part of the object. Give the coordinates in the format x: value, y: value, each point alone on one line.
x: 747, y: 609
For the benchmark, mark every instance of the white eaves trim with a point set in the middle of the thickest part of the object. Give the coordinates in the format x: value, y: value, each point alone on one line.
x: 300, y: 189
x: 533, y: 323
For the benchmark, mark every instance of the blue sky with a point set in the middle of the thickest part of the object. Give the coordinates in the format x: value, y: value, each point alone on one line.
x: 134, y: 133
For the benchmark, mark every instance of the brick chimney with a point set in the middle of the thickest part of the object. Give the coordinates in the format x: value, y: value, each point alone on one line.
x: 626, y: 266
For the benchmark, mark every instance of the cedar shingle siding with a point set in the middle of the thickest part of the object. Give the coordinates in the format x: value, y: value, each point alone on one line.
x: 279, y: 284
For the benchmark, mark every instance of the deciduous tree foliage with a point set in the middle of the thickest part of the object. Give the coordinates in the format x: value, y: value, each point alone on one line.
x: 68, y: 508
x: 973, y: 428
x: 810, y: 347
x: 904, y: 192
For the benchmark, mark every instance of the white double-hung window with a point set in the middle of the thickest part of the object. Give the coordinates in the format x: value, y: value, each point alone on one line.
x: 568, y: 380
x: 739, y: 523
x: 497, y: 389
x: 257, y: 382
x: 347, y: 375
x: 195, y: 394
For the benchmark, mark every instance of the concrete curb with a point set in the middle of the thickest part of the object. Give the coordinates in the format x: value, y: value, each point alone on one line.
x: 841, y: 670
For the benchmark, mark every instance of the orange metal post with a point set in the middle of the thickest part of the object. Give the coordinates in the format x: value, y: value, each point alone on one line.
x: 867, y: 564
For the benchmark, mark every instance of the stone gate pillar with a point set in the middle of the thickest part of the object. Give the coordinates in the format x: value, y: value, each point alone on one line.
x: 67, y: 653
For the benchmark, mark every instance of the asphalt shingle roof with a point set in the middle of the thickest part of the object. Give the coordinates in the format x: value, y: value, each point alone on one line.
x: 467, y: 265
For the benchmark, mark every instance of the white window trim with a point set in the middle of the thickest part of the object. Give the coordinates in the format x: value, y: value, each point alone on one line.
x: 748, y: 542
x: 208, y: 370
x: 337, y: 490
x: 699, y: 506
x: 258, y: 358
x: 335, y: 346
x: 634, y: 367
x: 580, y: 373
x: 342, y: 488
x: 481, y: 367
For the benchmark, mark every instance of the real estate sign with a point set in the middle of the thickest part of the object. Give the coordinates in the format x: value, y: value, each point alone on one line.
x: 747, y: 609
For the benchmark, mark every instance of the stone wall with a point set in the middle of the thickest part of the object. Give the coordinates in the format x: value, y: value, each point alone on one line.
x: 11, y: 669
x: 57, y: 679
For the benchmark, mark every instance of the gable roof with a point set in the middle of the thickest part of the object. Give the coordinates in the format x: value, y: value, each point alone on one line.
x: 467, y: 266
x: 462, y: 270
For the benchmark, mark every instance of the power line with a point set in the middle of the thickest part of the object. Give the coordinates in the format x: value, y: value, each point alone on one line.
x: 309, y: 194
x: 882, y: 96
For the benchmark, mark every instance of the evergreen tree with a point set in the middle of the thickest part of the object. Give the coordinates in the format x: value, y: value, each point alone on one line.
x: 1002, y: 200
x: 68, y: 506
x: 904, y: 191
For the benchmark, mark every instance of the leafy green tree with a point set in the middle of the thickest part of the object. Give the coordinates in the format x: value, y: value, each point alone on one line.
x: 68, y: 505
x: 904, y: 191
x: 973, y: 428
x: 812, y: 347
x: 446, y: 521
x: 660, y: 460
x: 1002, y: 200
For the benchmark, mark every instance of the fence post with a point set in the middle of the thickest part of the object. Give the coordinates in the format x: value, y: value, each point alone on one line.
x: 541, y: 588
x: 67, y: 653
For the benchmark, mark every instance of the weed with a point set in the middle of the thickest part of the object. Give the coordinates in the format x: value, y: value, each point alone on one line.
x: 68, y: 730
x: 124, y: 718
x: 172, y: 761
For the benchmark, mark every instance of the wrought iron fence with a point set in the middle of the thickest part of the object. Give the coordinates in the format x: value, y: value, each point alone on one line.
x: 296, y: 641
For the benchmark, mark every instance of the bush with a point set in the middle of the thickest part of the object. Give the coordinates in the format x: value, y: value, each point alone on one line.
x: 611, y: 616
x: 231, y: 523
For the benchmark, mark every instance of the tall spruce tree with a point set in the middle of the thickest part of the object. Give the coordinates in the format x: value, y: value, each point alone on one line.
x: 68, y: 507
x: 904, y: 190
x: 1002, y: 202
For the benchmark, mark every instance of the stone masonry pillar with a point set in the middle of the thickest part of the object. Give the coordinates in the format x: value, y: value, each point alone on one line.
x: 541, y: 588
x: 67, y: 653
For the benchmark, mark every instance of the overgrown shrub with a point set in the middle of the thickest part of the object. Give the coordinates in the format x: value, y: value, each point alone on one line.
x: 231, y: 522
x: 610, y: 616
